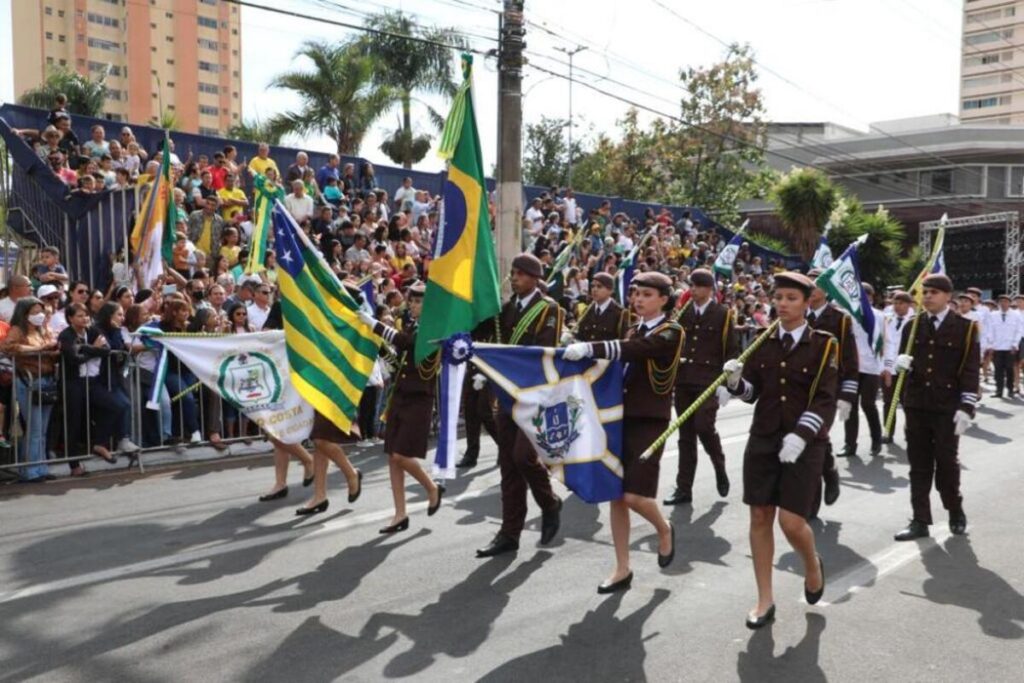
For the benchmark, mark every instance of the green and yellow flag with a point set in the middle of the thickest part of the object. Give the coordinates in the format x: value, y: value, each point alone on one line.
x: 331, y: 351
x: 152, y: 238
x: 462, y: 281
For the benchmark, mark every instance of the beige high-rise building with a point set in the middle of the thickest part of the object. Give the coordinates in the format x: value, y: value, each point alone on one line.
x: 991, y: 77
x: 182, y: 56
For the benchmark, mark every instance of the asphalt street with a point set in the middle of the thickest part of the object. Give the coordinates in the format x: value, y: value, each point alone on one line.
x: 180, y: 574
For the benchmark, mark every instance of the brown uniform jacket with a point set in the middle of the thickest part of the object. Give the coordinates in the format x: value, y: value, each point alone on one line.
x: 544, y: 330
x: 652, y: 363
x: 611, y: 324
x: 410, y: 377
x: 840, y: 326
x: 711, y: 340
x: 795, y: 391
x: 944, y: 376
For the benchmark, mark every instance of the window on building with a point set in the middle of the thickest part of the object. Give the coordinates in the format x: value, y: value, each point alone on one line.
x: 982, y: 81
x: 103, y: 20
x: 208, y: 110
x: 208, y: 44
x: 937, y: 182
x: 984, y: 16
x: 209, y: 88
x: 63, y: 62
x: 113, y: 94
x: 170, y: 84
x: 48, y: 11
x: 61, y: 39
x: 49, y: 35
x: 981, y: 103
x: 214, y: 132
x: 100, y: 67
x: 49, y: 60
x: 989, y: 36
x: 207, y: 66
x: 1016, y: 188
x: 207, y: 22
x: 60, y: 13
x: 110, y: 45
x: 110, y: 116
x: 171, y: 62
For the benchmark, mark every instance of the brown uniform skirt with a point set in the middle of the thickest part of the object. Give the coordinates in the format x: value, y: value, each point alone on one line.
x: 640, y: 477
x: 791, y: 486
x: 407, y: 429
x: 325, y: 430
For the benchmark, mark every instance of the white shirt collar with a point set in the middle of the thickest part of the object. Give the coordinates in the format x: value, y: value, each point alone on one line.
x: 525, y: 300
x: 818, y: 311
x: 701, y: 308
x: 797, y: 334
x: 651, y: 324
x: 601, y: 308
x: 941, y: 316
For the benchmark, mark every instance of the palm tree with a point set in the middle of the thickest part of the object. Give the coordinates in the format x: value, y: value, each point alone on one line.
x: 879, y: 256
x: 804, y: 198
x: 407, y: 66
x: 85, y: 96
x: 254, y: 130
x: 339, y: 97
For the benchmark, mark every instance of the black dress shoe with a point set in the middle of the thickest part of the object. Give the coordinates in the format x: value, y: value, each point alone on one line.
x: 666, y: 560
x: 353, y: 497
x: 315, y: 510
x: 440, y: 494
x: 499, y: 545
x: 913, y: 531
x: 550, y: 520
x: 848, y: 451
x: 998, y: 394
x: 306, y: 481
x: 886, y: 440
x: 622, y: 584
x: 831, y: 486
x: 678, y: 498
x: 814, y: 596
x: 722, y: 483
x: 876, y: 449
x: 958, y: 523
x: 276, y: 495
x: 401, y: 525
x: 768, y: 617
x: 468, y: 459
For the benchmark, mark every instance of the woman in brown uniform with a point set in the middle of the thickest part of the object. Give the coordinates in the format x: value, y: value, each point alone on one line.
x: 408, y: 412
x: 651, y: 353
x: 793, y: 377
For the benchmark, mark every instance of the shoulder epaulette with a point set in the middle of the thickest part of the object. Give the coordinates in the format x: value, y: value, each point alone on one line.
x: 824, y: 333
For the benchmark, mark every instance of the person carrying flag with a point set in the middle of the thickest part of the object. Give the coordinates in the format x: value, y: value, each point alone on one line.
x: 651, y: 353
x: 869, y: 366
x: 711, y: 340
x: 529, y: 318
x: 939, y: 399
x: 793, y: 379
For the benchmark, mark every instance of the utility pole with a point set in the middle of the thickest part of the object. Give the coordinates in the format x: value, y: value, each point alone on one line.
x: 510, y: 133
x: 570, y: 54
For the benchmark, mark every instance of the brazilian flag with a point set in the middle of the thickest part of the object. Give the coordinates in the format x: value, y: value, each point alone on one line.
x: 462, y: 282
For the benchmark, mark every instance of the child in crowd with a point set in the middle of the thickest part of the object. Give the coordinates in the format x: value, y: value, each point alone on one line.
x: 107, y: 171
x: 122, y: 179
x: 332, y: 193
x: 132, y: 160
x: 49, y: 270
x: 229, y: 246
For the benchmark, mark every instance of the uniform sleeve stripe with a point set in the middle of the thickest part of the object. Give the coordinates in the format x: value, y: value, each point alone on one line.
x: 850, y: 385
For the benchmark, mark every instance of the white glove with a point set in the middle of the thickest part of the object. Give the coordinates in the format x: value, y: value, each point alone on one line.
x: 567, y: 338
x: 479, y: 382
x: 723, y: 396
x: 843, y: 409
x: 903, y: 362
x: 792, y: 447
x: 735, y: 370
x: 961, y: 422
x: 367, y: 318
x: 576, y: 351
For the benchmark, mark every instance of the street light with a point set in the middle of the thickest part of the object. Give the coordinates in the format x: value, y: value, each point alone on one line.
x: 570, y: 54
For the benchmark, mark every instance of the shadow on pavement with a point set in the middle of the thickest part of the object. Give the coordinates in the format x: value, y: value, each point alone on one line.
x: 987, y: 436
x: 838, y: 558
x: 797, y: 663
x: 601, y: 647
x: 459, y: 621
x: 696, y: 540
x: 872, y: 475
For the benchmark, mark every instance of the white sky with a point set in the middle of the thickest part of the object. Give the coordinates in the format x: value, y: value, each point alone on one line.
x: 853, y: 61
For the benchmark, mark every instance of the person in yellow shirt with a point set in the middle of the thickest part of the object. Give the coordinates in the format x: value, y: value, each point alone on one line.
x: 401, y: 258
x: 232, y: 199
x: 262, y: 161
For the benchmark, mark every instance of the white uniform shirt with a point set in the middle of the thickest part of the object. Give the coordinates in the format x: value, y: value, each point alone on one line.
x: 894, y: 325
x: 1002, y: 331
x: 867, y: 362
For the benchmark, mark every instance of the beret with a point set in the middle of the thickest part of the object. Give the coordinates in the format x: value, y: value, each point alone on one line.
x: 529, y: 264
x: 702, y: 278
x: 793, y: 280
x: 940, y: 282
x: 604, y: 279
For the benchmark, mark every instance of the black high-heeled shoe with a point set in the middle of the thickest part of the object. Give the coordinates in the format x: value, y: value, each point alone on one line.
x: 280, y: 493
x: 815, y: 596
x: 315, y: 510
x: 306, y: 481
x: 434, y: 508
x: 622, y: 584
x: 666, y: 559
x: 401, y: 525
x: 754, y: 623
x: 353, y: 497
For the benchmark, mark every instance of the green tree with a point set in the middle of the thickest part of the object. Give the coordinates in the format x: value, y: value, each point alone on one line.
x: 339, y: 97
x: 409, y: 59
x: 168, y: 120
x: 85, y: 96
x: 546, y: 153
x: 804, y: 199
x: 254, y: 130
x: 879, y: 256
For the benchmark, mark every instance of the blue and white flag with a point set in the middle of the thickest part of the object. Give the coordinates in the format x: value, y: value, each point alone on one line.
x: 726, y: 257
x: 369, y: 303
x: 823, y: 256
x: 841, y: 282
x: 571, y: 411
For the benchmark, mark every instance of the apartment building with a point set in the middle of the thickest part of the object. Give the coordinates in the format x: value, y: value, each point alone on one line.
x: 991, y: 77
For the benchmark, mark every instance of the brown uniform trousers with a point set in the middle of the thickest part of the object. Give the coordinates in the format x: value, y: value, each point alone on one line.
x: 795, y: 392
x: 942, y: 380
x: 478, y: 406
x: 519, y: 464
x: 606, y: 325
x: 711, y: 340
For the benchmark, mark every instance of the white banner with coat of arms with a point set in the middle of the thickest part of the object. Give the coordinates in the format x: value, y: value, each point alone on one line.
x: 251, y: 372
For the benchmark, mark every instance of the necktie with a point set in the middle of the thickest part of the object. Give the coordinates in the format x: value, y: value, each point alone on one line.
x: 811, y: 318
x: 642, y: 330
x: 935, y: 322
x: 787, y: 342
x: 519, y: 306
x: 899, y: 324
x: 1004, y: 316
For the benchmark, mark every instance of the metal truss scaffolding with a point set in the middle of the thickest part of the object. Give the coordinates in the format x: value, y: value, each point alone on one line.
x: 1011, y: 256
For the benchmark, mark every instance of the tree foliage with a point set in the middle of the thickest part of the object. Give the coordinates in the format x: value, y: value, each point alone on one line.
x: 804, y: 200
x: 546, y: 153
x: 85, y: 96
x: 339, y: 96
x: 255, y: 130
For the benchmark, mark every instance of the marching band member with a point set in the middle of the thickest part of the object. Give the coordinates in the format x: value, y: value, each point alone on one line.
x: 651, y: 351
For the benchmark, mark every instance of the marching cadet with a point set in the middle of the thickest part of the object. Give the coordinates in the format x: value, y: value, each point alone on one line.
x: 900, y: 315
x: 1001, y: 337
x: 603, y: 319
x: 651, y: 353
x: 711, y: 340
x: 869, y: 366
x: 822, y: 316
x: 409, y: 410
x: 529, y: 318
x: 939, y: 398
x: 793, y: 378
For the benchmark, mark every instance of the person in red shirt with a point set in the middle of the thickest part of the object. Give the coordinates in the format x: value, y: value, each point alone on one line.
x: 218, y: 170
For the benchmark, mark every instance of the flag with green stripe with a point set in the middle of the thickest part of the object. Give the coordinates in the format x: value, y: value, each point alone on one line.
x: 331, y: 351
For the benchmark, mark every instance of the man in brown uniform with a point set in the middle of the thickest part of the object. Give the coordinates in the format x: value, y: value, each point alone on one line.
x: 528, y: 319
x: 710, y: 341
x: 939, y: 397
x: 822, y: 316
x: 604, y: 319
